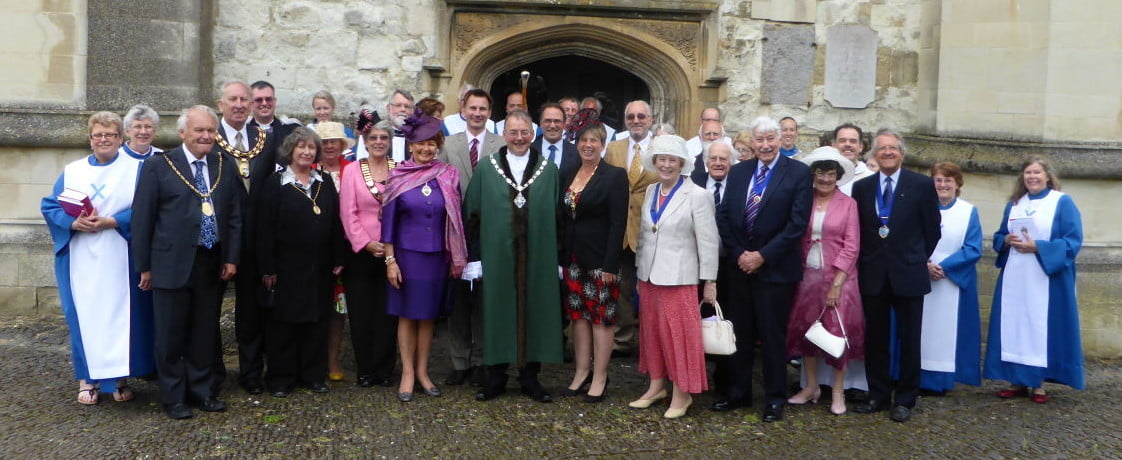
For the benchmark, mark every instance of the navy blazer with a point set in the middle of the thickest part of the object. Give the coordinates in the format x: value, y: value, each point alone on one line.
x: 901, y: 258
x: 570, y: 159
x: 166, y: 217
x: 780, y: 224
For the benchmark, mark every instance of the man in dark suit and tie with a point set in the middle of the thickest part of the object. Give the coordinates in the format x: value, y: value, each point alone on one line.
x: 899, y: 217
x: 552, y: 143
x: 762, y: 219
x: 253, y: 152
x: 186, y: 237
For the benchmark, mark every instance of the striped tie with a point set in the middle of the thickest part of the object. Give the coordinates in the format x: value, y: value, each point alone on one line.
x: 473, y: 153
x: 752, y: 209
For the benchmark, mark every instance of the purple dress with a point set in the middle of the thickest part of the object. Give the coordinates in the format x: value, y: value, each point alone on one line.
x: 414, y: 224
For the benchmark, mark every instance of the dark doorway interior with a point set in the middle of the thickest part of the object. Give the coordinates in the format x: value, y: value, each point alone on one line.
x: 572, y: 76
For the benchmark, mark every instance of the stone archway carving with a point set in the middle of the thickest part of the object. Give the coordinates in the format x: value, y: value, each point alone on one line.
x: 667, y: 55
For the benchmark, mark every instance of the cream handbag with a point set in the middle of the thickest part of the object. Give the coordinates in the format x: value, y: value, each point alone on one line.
x: 830, y: 343
x: 716, y: 333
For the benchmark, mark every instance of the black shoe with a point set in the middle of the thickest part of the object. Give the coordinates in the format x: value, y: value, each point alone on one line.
x: 488, y: 394
x: 536, y: 392
x: 900, y: 414
x: 385, y: 382
x: 582, y: 389
x: 870, y: 407
x: 773, y: 412
x: 621, y: 353
x: 595, y: 399
x: 212, y: 405
x: 178, y: 411
x: 254, y: 388
x: 365, y: 381
x: 728, y: 404
x: 318, y: 387
x: 280, y: 394
x: 478, y: 376
x: 457, y: 377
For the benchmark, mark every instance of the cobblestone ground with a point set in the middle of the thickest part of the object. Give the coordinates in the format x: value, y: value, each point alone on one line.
x: 41, y: 419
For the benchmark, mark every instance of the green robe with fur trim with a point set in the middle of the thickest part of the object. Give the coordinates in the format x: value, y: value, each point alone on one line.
x: 518, y: 248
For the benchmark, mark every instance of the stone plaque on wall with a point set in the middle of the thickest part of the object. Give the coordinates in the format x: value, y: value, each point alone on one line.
x: 851, y: 66
x: 788, y: 63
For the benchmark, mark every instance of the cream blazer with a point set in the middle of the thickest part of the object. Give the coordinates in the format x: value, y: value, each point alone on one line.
x: 684, y: 249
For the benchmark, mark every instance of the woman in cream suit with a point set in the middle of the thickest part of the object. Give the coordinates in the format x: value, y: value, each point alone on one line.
x: 677, y: 248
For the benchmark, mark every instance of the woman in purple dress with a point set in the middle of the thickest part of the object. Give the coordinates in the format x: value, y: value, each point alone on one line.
x: 423, y: 239
x: 829, y: 290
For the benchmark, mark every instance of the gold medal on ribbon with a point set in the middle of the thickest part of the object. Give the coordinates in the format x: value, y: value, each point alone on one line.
x: 654, y: 229
x: 883, y: 231
x: 208, y: 209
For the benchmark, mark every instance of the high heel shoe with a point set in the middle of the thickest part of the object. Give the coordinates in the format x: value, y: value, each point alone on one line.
x: 837, y: 404
x: 813, y: 398
x: 645, y: 403
x: 588, y: 398
x: 581, y: 389
x: 677, y: 412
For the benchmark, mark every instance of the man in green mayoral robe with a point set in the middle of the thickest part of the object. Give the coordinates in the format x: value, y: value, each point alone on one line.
x: 510, y: 214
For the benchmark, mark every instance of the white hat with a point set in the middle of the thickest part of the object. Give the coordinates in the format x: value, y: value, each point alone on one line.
x: 333, y: 130
x: 667, y: 144
x: 830, y: 153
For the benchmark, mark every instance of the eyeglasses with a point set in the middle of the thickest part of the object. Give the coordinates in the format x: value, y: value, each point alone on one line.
x: 381, y: 137
x: 100, y: 136
x: 640, y: 116
x: 519, y: 133
x: 261, y: 100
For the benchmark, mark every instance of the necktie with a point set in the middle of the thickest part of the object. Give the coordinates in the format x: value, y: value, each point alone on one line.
x: 473, y: 153
x: 208, y: 228
x: 239, y: 142
x: 636, y: 168
x: 752, y: 209
x: 716, y: 194
x: 886, y: 195
x: 552, y: 153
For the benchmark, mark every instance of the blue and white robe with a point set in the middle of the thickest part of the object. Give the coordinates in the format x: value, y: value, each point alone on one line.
x: 124, y: 148
x: 110, y: 319
x: 1034, y: 323
x: 950, y: 344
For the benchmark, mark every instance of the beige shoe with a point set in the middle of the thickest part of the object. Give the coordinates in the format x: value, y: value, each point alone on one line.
x: 675, y: 413
x: 645, y: 403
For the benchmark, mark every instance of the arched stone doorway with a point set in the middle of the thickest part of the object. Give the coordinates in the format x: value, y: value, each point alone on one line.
x: 668, y: 56
x: 572, y: 76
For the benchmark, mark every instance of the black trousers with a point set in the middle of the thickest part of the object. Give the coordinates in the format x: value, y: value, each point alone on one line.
x: 758, y: 311
x: 297, y: 354
x: 373, y: 332
x: 909, y: 324
x: 249, y: 321
x: 186, y: 322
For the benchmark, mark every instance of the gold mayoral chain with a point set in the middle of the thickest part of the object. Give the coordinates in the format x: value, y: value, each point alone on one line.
x: 519, y: 200
x: 319, y: 187
x: 207, y: 206
x: 368, y: 176
x: 243, y: 157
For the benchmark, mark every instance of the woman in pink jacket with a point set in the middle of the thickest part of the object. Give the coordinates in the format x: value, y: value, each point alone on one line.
x: 829, y: 289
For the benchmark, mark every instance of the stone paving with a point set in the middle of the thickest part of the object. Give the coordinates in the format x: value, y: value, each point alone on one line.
x: 41, y: 419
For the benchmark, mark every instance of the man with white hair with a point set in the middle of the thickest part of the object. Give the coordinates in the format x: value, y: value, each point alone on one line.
x: 458, y: 123
x: 398, y: 109
x: 762, y: 219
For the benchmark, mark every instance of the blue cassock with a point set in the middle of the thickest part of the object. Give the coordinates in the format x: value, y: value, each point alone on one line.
x: 141, y: 343
x: 1057, y: 257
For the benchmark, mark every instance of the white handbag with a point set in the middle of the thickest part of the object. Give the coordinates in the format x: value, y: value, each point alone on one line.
x: 830, y: 343
x: 717, y: 334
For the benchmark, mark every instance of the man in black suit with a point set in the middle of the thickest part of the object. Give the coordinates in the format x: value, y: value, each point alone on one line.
x: 186, y: 237
x: 719, y: 158
x: 263, y: 101
x: 252, y: 150
x: 552, y: 141
x: 762, y: 219
x: 899, y: 217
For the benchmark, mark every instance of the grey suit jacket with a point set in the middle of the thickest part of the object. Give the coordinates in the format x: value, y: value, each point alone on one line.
x: 455, y: 152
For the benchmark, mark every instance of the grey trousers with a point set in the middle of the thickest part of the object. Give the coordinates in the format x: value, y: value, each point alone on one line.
x: 465, y: 326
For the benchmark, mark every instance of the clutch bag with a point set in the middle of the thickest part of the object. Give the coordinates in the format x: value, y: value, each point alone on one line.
x: 830, y: 343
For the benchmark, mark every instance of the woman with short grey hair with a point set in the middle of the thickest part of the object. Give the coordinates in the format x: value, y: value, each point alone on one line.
x: 141, y: 125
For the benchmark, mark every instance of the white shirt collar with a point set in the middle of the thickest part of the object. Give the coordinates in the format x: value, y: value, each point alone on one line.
x: 230, y: 133
x: 482, y: 137
x: 518, y: 165
x: 643, y: 144
x: 895, y: 178
x: 288, y: 177
x: 191, y: 158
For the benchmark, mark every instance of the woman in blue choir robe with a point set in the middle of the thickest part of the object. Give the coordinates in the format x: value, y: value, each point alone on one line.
x: 141, y: 125
x: 1034, y: 323
x: 950, y: 349
x: 109, y: 318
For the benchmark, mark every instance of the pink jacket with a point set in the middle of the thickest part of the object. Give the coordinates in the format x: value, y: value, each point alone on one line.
x: 360, y: 212
x: 841, y: 235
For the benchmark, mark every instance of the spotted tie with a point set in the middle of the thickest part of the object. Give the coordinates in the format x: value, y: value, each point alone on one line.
x: 752, y: 208
x: 208, y: 227
x: 473, y: 153
x: 636, y: 168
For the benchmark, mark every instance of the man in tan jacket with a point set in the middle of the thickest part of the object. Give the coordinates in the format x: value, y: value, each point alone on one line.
x: 627, y: 154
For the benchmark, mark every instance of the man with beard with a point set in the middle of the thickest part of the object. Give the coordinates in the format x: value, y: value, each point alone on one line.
x: 264, y: 104
x: 627, y: 154
x: 398, y: 109
x: 850, y: 141
x: 466, y: 151
x: 510, y: 215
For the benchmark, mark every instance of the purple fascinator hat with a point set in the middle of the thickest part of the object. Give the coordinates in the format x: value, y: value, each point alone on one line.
x: 420, y: 127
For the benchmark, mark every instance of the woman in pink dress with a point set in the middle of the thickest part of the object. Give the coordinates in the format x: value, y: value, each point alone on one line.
x: 829, y: 287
